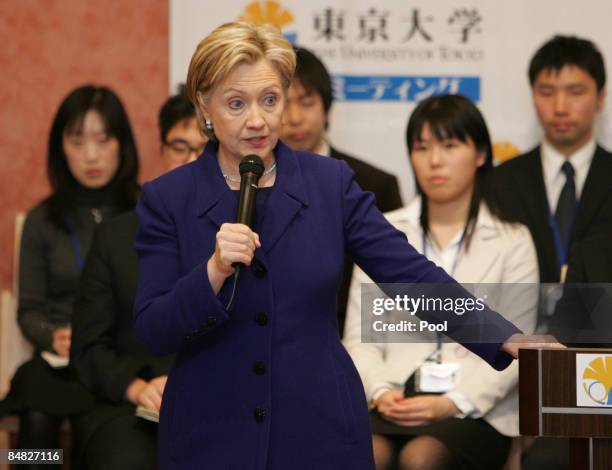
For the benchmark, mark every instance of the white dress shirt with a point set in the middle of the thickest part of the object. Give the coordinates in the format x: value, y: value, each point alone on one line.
x: 447, y: 259
x: 554, y: 178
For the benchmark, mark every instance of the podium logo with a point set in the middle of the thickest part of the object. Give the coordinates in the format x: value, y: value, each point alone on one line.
x: 269, y: 12
x: 595, y: 373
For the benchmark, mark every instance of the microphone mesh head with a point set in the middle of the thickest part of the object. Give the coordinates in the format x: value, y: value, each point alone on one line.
x: 251, y: 164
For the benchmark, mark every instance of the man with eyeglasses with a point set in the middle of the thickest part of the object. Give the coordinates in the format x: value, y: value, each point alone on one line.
x: 180, y: 135
x: 107, y: 356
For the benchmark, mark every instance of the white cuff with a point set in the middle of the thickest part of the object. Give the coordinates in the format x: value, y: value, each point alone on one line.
x: 377, y: 391
x: 466, y: 407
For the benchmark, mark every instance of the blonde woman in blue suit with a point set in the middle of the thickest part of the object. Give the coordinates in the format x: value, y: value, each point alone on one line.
x: 261, y: 380
x: 456, y: 224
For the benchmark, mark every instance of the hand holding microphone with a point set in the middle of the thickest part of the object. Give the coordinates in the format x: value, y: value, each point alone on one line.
x: 236, y: 242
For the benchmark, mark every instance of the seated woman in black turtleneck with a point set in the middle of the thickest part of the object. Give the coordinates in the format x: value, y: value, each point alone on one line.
x: 92, y: 165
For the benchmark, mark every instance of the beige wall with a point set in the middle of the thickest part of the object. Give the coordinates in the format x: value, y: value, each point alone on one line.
x: 49, y: 47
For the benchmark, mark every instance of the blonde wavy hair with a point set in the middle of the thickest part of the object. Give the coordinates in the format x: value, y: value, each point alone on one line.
x: 232, y: 44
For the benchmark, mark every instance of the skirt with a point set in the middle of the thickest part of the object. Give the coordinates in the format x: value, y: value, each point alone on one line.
x: 474, y: 443
x: 39, y: 387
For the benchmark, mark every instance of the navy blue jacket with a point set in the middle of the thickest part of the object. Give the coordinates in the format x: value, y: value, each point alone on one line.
x: 269, y: 384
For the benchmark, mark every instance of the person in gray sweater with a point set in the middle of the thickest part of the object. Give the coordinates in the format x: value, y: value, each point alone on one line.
x: 92, y: 166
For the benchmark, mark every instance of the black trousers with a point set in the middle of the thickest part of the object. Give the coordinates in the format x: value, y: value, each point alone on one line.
x: 126, y: 442
x: 40, y: 430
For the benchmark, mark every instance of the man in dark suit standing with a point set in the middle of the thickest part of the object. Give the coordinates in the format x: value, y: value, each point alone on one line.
x: 306, y: 119
x: 109, y: 359
x: 561, y: 189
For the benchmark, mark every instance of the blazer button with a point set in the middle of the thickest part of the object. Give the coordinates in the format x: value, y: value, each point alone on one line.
x: 259, y: 413
x: 259, y: 270
x: 259, y: 367
x: 211, y: 321
x: 261, y: 319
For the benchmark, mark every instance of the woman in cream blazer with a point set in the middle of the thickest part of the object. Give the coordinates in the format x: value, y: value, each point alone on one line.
x: 471, y: 425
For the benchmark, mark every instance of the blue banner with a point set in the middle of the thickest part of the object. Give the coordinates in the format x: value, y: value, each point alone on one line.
x: 403, y: 88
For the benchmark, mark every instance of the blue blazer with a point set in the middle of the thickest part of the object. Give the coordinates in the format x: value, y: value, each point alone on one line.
x: 268, y: 385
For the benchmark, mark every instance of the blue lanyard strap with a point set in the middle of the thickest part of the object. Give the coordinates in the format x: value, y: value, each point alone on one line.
x: 561, y: 250
x: 74, y: 241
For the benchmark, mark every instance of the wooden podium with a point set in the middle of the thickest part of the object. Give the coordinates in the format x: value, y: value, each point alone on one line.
x: 548, y: 394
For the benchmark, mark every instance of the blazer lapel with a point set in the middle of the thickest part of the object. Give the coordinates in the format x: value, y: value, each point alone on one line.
x: 533, y: 193
x: 596, y: 187
x: 286, y: 199
x: 215, y: 200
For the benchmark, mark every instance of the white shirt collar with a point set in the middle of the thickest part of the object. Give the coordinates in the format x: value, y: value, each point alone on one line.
x: 446, y: 257
x: 325, y: 149
x: 407, y: 219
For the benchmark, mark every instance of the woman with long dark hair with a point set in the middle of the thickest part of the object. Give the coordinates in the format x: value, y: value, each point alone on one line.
x: 92, y: 165
x: 467, y: 422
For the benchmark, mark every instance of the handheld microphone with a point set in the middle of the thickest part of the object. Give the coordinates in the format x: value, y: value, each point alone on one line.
x: 251, y: 168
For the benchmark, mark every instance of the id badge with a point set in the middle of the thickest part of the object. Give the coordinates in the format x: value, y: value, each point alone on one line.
x: 432, y: 377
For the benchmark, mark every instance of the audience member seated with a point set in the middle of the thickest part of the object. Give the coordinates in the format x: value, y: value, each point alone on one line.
x: 107, y: 356
x: 456, y: 224
x: 92, y: 165
x: 561, y: 189
x: 306, y: 120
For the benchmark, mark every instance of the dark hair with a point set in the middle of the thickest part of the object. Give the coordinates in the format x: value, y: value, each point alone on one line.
x: 313, y: 75
x: 456, y: 117
x: 177, y: 108
x: 69, y: 119
x: 569, y: 50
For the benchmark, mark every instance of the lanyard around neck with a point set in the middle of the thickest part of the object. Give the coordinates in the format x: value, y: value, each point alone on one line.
x: 561, y: 250
x: 437, y: 355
